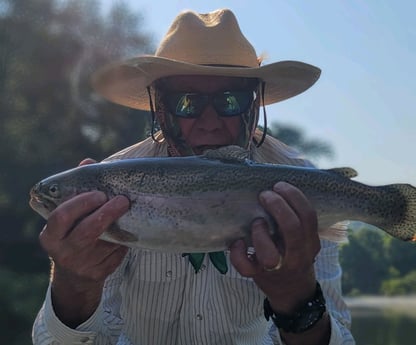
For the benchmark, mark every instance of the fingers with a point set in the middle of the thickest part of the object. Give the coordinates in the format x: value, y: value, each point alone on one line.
x: 298, y: 202
x: 282, y: 266
x: 266, y: 255
x: 64, y: 217
x: 241, y: 261
x: 100, y: 267
x: 295, y: 216
x: 285, y: 217
x: 96, y: 223
x: 63, y: 220
x: 295, y: 242
x: 87, y: 161
x: 71, y: 236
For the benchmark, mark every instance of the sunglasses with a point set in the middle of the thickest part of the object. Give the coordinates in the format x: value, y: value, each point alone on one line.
x: 225, y: 103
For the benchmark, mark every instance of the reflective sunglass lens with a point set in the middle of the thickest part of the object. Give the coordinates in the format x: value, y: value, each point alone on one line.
x: 232, y: 103
x: 228, y: 103
x: 186, y: 106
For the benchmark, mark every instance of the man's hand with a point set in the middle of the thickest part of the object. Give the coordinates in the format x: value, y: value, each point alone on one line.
x: 81, y: 261
x: 283, y: 263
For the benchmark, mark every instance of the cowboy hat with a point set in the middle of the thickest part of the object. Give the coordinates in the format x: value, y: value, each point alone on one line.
x: 202, y: 44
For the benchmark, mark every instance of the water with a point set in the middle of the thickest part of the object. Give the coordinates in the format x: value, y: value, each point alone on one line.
x: 384, y: 326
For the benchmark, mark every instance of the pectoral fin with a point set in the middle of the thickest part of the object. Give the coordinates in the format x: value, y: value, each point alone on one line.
x: 336, y: 233
x: 116, y: 235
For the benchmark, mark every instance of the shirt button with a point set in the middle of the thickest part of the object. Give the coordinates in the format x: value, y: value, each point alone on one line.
x: 84, y: 340
x: 203, y: 267
x: 199, y: 317
x: 169, y: 274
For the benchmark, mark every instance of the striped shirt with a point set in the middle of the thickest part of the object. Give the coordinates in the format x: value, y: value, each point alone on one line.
x: 156, y: 298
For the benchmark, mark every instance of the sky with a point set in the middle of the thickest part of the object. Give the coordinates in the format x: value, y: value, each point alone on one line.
x: 363, y: 103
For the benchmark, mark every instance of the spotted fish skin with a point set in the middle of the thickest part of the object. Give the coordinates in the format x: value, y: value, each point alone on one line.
x: 204, y: 203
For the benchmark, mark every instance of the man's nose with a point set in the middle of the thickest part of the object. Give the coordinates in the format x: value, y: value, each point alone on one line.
x: 209, y: 119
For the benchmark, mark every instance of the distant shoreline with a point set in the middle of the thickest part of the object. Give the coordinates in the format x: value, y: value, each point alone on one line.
x: 380, y: 304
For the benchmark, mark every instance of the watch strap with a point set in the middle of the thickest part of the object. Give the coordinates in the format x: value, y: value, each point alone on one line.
x: 303, y: 319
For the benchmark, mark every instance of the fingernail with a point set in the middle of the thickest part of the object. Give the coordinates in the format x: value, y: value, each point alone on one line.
x: 264, y: 195
x: 101, y: 196
x: 281, y: 186
x: 122, y: 201
x: 258, y: 222
x: 278, y: 186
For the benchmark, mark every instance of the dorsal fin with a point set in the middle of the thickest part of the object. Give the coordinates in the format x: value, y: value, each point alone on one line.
x: 345, y: 172
x: 232, y: 153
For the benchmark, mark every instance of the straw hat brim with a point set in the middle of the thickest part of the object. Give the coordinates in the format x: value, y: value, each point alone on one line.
x: 125, y: 83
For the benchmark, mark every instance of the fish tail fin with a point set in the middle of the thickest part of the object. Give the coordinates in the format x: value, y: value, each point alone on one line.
x: 402, y: 226
x: 336, y: 233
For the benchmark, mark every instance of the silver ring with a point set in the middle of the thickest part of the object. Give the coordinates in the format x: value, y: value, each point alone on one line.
x: 251, y: 253
x: 275, y: 268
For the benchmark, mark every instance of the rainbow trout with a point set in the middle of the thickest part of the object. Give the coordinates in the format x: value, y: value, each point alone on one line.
x: 204, y: 203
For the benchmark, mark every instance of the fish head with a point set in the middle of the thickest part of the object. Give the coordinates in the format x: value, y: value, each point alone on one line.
x: 48, y: 194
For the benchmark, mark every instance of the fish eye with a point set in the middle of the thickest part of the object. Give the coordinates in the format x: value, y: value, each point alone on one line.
x: 54, y: 190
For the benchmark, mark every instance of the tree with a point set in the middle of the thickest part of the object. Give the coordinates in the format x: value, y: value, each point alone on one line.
x: 50, y: 119
x: 48, y: 54
x: 295, y: 137
x: 374, y: 262
x: 401, y: 255
x: 400, y: 286
x: 364, y: 263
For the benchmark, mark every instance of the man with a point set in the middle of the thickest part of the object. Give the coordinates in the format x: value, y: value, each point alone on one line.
x: 205, y: 87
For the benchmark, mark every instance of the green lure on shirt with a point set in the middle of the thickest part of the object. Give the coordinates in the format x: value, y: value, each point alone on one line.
x: 217, y: 258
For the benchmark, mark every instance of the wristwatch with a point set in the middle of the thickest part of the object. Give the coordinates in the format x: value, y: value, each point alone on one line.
x: 303, y: 319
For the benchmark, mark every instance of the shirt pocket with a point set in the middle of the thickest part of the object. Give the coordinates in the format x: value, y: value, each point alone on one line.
x: 158, y: 267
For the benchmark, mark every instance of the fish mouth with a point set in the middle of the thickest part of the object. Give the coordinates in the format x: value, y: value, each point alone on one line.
x: 41, y: 205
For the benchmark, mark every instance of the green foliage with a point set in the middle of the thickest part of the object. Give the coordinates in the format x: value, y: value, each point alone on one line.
x: 401, y: 255
x: 50, y: 119
x: 295, y: 137
x: 363, y: 262
x: 48, y: 53
x: 374, y: 262
x: 20, y: 296
x: 400, y: 286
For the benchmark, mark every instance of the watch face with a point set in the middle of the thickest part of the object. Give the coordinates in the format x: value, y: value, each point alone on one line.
x: 304, y: 319
x: 307, y: 320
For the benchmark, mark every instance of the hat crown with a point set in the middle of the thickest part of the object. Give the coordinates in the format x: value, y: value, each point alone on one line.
x: 202, y: 44
x: 213, y: 38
